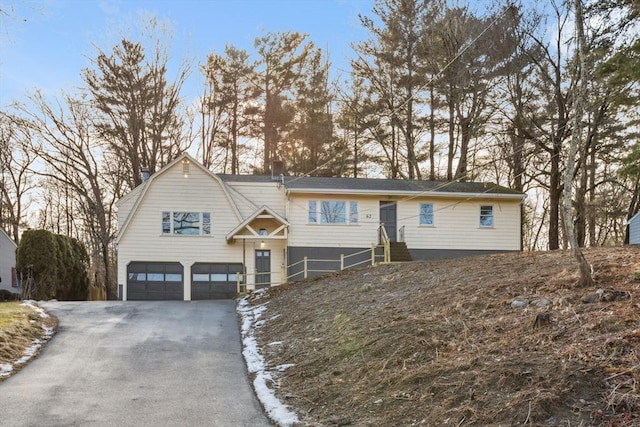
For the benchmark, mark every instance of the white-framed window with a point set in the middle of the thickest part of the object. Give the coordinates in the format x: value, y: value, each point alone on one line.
x: 486, y: 216
x: 426, y: 213
x: 353, y: 212
x: 186, y: 223
x: 313, y: 212
x: 333, y: 212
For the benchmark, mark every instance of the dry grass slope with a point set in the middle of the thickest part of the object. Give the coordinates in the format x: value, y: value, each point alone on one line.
x: 20, y: 325
x: 456, y: 342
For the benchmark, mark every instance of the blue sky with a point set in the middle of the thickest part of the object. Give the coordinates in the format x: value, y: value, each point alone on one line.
x: 45, y: 44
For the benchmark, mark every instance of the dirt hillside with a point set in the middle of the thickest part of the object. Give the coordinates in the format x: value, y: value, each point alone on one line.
x: 498, y: 340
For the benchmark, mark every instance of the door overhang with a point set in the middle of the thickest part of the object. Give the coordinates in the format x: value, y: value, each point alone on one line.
x: 263, y: 224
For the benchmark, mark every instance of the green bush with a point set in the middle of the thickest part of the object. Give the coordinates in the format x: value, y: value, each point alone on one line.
x: 37, y: 254
x: 57, y: 263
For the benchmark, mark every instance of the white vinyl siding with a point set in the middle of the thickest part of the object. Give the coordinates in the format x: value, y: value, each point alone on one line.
x: 172, y: 192
x: 634, y: 230
x: 458, y: 226
x: 249, y: 196
x: 7, y: 261
x: 303, y: 233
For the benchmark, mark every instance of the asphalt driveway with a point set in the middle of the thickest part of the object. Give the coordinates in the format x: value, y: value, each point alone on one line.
x: 168, y: 363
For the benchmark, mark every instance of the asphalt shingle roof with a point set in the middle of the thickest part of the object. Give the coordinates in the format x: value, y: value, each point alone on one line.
x: 300, y: 183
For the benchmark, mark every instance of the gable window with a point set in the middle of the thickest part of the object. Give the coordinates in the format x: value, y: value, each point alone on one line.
x: 486, y: 216
x: 426, y: 213
x: 333, y: 212
x: 186, y: 223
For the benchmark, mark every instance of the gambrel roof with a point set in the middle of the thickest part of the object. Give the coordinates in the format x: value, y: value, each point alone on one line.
x: 140, y: 191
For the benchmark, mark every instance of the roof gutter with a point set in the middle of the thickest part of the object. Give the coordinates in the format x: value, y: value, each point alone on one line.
x: 426, y: 193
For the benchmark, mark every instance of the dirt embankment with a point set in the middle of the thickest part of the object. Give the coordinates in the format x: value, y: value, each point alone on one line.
x: 498, y: 340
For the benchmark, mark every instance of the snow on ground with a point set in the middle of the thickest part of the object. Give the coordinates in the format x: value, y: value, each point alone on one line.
x: 277, y: 411
x: 36, y: 308
x: 7, y: 368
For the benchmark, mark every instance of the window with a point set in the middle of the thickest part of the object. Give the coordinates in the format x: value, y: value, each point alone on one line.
x: 426, y: 214
x: 333, y: 212
x: 166, y: 222
x: 486, y: 216
x: 215, y: 272
x: 353, y: 212
x: 313, y: 213
x: 206, y: 223
x: 186, y: 223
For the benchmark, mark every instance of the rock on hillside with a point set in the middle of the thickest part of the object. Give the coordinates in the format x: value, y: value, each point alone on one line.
x: 499, y: 340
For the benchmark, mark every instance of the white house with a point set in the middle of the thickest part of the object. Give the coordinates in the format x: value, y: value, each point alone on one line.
x: 8, y: 279
x: 634, y: 229
x: 187, y: 233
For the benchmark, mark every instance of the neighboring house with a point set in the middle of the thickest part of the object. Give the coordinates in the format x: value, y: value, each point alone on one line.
x: 187, y: 233
x: 634, y: 229
x: 8, y: 279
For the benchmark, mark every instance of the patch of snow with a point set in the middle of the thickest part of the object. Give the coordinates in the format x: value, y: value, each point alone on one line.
x: 284, y: 367
x: 275, y: 343
x: 5, y: 369
x: 32, y: 304
x: 277, y: 411
x: 36, y: 344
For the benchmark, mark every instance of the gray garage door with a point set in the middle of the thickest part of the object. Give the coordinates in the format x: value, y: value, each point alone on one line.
x: 155, y: 281
x: 214, y: 280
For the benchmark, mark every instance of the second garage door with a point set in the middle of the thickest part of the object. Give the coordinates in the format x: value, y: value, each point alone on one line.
x: 155, y: 281
x: 214, y: 280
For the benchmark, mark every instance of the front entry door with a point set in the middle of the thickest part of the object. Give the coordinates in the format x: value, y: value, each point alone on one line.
x: 263, y: 268
x: 388, y: 216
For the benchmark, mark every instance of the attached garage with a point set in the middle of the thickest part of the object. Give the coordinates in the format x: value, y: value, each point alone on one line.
x: 214, y: 280
x: 155, y: 281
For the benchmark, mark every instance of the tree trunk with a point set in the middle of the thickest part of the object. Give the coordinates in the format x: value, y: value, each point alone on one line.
x: 451, y: 152
x: 432, y: 134
x: 583, y: 266
x: 554, y: 198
